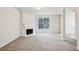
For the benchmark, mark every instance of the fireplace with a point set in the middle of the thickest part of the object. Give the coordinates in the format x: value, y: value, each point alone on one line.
x: 29, y: 31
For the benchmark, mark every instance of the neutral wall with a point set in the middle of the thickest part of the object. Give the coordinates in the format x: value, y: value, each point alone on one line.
x: 76, y: 10
x: 28, y: 22
x: 63, y: 24
x: 54, y: 25
x: 55, y: 15
x: 9, y: 25
x: 57, y: 24
x: 69, y: 22
x: 77, y: 26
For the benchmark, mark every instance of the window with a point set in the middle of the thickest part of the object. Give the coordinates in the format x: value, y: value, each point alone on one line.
x: 43, y: 23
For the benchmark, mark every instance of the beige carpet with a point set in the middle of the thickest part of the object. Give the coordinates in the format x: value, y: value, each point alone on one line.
x: 39, y: 43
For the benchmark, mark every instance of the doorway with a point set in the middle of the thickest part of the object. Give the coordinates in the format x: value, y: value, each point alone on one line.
x: 70, y: 26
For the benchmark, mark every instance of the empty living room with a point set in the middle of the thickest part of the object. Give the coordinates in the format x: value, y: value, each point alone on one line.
x: 39, y: 29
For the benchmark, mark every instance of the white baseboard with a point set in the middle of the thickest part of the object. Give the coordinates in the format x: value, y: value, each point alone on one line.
x: 6, y: 42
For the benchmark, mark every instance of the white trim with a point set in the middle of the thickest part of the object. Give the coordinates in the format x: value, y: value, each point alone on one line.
x: 6, y: 42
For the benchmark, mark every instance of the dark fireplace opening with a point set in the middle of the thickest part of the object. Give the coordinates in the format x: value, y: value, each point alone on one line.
x: 29, y: 31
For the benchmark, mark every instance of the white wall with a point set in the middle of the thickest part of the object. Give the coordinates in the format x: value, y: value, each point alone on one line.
x: 28, y: 22
x: 69, y: 22
x: 54, y: 25
x: 57, y: 24
x: 9, y: 25
x: 77, y: 27
x: 55, y: 15
x: 76, y: 10
x: 63, y: 24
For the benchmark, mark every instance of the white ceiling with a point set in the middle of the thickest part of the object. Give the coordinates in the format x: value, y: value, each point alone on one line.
x: 42, y: 10
x: 33, y: 9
